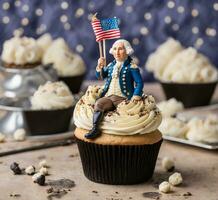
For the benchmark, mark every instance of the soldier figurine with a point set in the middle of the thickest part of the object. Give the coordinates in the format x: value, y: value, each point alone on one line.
x: 123, y: 81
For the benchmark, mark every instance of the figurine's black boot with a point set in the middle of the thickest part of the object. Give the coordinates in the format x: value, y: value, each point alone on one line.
x: 95, y: 132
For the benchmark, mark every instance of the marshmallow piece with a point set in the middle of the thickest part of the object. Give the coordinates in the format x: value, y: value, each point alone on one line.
x: 30, y: 170
x: 43, y: 163
x: 175, y: 179
x: 165, y: 187
x: 38, y: 178
x: 20, y: 134
x: 168, y: 164
x: 2, y: 137
x: 44, y: 171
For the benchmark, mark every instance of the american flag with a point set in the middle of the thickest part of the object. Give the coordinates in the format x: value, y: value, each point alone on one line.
x: 106, y: 29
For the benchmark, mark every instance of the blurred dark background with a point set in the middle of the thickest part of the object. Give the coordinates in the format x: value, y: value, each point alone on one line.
x: 146, y: 24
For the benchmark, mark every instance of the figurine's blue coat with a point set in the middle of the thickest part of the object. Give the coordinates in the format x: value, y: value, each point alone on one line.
x: 130, y: 79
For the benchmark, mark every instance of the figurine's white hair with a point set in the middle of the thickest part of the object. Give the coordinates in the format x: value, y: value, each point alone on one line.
x: 127, y: 45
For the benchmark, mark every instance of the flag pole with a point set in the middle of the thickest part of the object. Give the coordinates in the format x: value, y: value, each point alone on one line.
x: 104, y: 49
x: 100, y: 49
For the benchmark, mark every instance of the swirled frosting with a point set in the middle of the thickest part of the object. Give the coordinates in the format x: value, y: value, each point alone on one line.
x: 171, y: 62
x: 158, y: 60
x: 51, y: 96
x: 21, y: 50
x: 189, y: 66
x: 64, y: 60
x: 129, y: 118
x: 203, y: 130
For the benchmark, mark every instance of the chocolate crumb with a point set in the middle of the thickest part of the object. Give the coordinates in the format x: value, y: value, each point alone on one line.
x: 15, y: 168
x: 152, y: 195
x: 117, y: 192
x: 15, y: 195
x: 50, y: 190
x: 187, y: 194
x: 94, y: 191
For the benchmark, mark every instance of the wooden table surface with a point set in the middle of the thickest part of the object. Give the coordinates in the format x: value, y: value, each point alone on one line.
x: 199, y: 168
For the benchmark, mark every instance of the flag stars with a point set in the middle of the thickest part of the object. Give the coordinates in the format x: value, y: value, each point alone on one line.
x: 215, y: 6
x: 211, y: 32
x: 167, y: 19
x: 63, y: 18
x: 39, y: 12
x: 180, y: 9
x: 25, y: 8
x: 79, y: 12
x: 195, y: 30
x: 144, y: 31
x: 171, y: 4
x: 175, y: 27
x: 195, y: 12
x: 5, y: 20
x: 25, y: 21
x: 79, y: 48
x: 147, y: 16
x: 5, y: 6
x: 64, y: 5
x: 129, y: 9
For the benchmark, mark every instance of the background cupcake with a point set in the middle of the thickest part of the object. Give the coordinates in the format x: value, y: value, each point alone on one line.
x: 51, y: 109
x: 184, y: 73
x: 128, y: 147
x: 70, y: 66
x: 21, y: 52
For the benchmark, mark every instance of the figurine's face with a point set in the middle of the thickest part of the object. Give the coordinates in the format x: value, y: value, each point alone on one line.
x: 119, y: 52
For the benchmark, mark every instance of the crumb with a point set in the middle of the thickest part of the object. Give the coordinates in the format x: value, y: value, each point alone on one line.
x: 20, y: 134
x: 15, y: 195
x: 43, y: 163
x: 50, y: 190
x: 39, y: 178
x: 187, y: 194
x: 43, y: 170
x: 117, y: 192
x: 30, y: 170
x: 94, y: 191
x: 15, y: 168
x: 165, y: 187
x: 168, y: 164
x: 175, y: 179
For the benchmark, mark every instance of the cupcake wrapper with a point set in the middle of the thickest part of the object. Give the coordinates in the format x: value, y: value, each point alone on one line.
x: 118, y: 164
x: 73, y: 83
x: 190, y: 94
x: 42, y: 122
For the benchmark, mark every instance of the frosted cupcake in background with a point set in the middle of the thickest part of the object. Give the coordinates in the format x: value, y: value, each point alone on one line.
x: 69, y: 66
x: 52, y: 108
x: 44, y: 41
x: 183, y: 73
x: 21, y: 52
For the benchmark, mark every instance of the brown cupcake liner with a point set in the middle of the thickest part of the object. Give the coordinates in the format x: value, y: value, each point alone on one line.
x: 73, y: 82
x: 118, y: 164
x: 191, y: 95
x: 44, y: 122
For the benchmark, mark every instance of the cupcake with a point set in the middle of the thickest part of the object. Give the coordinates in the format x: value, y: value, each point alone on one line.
x: 21, y: 53
x: 44, y: 42
x: 69, y: 66
x: 128, y: 146
x: 186, y: 75
x: 51, y: 109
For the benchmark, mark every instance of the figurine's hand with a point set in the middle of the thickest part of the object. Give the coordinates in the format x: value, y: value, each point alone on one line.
x: 101, y: 63
x: 136, y: 98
